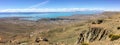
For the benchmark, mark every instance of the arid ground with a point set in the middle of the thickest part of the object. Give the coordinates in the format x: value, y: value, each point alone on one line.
x: 94, y: 29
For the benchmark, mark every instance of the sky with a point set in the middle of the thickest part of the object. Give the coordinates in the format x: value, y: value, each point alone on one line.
x: 58, y: 5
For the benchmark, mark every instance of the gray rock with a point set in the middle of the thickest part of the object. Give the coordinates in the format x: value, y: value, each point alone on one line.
x: 93, y: 34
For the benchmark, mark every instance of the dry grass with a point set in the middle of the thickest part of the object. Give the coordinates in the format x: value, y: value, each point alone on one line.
x: 67, y: 33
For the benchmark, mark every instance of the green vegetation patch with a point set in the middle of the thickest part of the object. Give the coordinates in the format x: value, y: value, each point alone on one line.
x: 114, y: 37
x: 85, y: 43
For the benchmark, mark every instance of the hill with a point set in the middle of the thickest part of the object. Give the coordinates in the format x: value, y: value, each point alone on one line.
x: 97, y: 29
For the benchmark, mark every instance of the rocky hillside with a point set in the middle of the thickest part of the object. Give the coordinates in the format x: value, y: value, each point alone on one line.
x: 97, y: 29
x: 103, y: 31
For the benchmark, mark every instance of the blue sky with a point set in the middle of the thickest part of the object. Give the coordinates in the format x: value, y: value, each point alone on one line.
x: 53, y: 4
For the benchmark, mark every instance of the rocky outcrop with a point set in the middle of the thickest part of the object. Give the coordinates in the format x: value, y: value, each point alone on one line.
x: 93, y: 34
x: 98, y: 21
x: 41, y: 39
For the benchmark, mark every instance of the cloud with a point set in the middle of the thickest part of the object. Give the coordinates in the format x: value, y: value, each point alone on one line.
x: 53, y: 10
x: 39, y: 4
x: 46, y: 10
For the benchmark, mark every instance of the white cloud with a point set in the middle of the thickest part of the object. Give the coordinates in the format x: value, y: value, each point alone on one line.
x: 51, y: 9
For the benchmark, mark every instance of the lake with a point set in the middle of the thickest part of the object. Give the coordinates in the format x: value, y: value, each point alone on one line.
x: 36, y: 16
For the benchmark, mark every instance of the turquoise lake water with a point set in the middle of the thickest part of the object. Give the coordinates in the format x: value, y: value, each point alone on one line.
x: 35, y: 16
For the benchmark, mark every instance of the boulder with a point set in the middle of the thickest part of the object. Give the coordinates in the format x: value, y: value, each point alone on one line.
x: 41, y: 39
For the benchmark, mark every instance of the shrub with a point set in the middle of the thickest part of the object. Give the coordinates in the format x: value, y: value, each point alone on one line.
x: 100, y: 21
x: 84, y: 43
x: 118, y: 28
x: 114, y: 37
